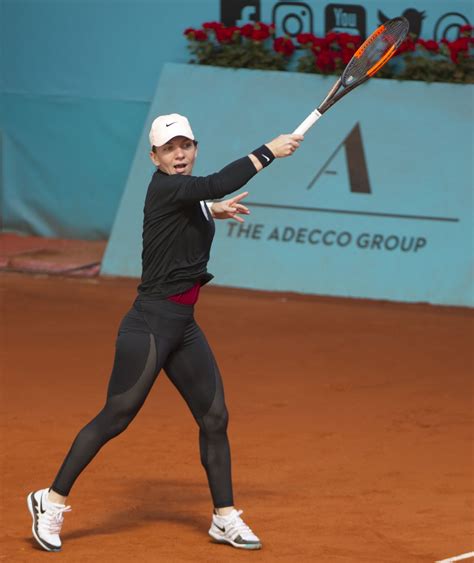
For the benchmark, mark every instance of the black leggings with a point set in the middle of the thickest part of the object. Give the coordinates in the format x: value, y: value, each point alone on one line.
x: 155, y: 335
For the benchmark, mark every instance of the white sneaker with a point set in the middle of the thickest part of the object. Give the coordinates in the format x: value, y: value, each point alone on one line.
x: 233, y: 530
x: 47, y: 519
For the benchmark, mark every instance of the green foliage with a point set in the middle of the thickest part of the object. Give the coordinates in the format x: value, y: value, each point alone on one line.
x: 442, y: 70
x: 243, y: 54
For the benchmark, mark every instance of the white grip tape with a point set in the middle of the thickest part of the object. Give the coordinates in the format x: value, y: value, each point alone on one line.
x: 307, y: 123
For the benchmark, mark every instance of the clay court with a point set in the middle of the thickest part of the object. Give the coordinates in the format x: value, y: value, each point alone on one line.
x: 351, y: 428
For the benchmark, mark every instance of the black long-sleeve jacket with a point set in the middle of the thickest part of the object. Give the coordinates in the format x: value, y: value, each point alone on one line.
x: 178, y: 228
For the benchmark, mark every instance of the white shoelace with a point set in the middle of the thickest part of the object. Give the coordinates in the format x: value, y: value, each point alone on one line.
x: 236, y: 526
x: 52, y: 520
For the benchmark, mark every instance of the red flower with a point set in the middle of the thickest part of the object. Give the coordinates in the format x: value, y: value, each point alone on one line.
x: 246, y: 30
x: 343, y: 38
x: 429, y: 45
x: 461, y: 45
x: 331, y: 37
x: 466, y: 30
x: 195, y: 34
x: 223, y: 34
x: 347, y: 54
x: 325, y: 61
x: 305, y: 38
x: 212, y: 25
x: 260, y: 35
x: 261, y: 31
x: 284, y: 45
x: 318, y: 45
x: 263, y: 26
x: 347, y: 40
x: 406, y: 47
x: 200, y: 35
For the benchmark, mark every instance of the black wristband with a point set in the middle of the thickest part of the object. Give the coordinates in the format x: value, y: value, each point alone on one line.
x: 264, y: 155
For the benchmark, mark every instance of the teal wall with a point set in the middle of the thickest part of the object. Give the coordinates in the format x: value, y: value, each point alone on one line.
x: 377, y: 202
x: 76, y: 82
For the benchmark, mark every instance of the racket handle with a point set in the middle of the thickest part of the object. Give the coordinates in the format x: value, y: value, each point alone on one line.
x: 307, y: 123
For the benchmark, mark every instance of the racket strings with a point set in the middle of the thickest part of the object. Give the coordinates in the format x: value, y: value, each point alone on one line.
x: 375, y: 51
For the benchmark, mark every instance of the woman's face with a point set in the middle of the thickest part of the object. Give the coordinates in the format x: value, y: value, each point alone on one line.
x: 177, y: 156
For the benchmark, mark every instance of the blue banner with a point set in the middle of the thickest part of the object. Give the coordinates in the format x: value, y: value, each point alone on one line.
x: 376, y: 203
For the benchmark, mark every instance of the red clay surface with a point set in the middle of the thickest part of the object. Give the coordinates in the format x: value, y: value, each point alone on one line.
x: 73, y: 257
x: 351, y: 428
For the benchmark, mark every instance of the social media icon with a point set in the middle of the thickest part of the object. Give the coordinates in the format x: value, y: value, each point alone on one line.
x: 415, y: 19
x: 292, y: 18
x: 239, y: 12
x: 448, y: 25
x: 345, y: 18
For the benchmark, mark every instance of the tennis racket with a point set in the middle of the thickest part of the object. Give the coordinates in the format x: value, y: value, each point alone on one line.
x: 367, y: 60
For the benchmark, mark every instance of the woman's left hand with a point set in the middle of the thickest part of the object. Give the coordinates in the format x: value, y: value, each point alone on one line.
x: 230, y: 208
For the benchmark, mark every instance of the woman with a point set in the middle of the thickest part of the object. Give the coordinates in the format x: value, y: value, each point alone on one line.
x: 160, y: 331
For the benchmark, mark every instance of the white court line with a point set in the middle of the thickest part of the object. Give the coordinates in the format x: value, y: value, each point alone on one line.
x: 457, y: 557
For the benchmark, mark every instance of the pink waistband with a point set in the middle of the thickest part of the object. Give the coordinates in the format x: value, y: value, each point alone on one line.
x: 188, y: 297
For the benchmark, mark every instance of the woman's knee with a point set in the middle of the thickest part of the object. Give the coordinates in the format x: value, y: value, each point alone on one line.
x: 215, y: 423
x: 116, y: 421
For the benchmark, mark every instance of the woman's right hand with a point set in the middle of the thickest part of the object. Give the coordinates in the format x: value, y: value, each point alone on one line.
x: 285, y: 145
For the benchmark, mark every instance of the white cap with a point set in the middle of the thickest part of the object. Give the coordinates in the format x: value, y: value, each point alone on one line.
x: 165, y: 127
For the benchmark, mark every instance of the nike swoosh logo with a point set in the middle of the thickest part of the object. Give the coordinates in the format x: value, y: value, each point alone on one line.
x: 41, y: 509
x: 219, y: 528
x: 266, y: 157
x: 168, y: 124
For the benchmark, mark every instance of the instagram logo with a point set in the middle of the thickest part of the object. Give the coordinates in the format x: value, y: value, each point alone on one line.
x: 292, y: 18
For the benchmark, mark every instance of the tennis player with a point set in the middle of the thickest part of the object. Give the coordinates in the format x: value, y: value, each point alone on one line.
x: 159, y: 331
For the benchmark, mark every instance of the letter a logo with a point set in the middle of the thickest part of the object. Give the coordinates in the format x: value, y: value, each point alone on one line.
x: 356, y: 163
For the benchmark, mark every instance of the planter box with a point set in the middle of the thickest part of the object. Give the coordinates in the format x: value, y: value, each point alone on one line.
x: 376, y: 204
